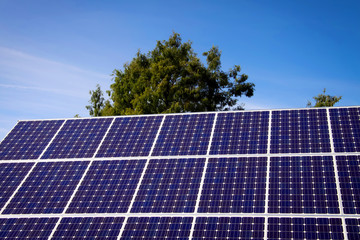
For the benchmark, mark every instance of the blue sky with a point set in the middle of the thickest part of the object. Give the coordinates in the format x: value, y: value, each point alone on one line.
x: 53, y: 52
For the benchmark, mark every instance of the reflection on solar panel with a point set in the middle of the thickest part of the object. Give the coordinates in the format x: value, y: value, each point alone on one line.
x: 130, y: 136
x: 276, y: 174
x: 89, y: 228
x: 302, y: 185
x: 28, y: 139
x: 157, y: 228
x: 229, y: 228
x: 107, y: 187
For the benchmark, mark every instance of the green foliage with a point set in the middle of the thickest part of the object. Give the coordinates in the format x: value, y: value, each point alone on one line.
x: 323, y: 100
x: 77, y: 116
x: 96, y: 102
x: 171, y: 78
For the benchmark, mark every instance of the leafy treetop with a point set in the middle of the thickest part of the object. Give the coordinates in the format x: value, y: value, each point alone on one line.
x: 323, y: 100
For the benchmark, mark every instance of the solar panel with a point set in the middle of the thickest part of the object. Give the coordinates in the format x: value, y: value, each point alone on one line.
x: 28, y: 139
x: 275, y: 174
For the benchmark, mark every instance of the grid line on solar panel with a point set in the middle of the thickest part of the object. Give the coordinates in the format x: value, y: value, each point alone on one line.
x: 47, y: 189
x: 305, y: 228
x: 28, y: 139
x: 108, y: 187
x: 11, y: 175
x: 130, y: 136
x: 228, y: 228
x: 345, y: 124
x: 169, y: 185
x: 353, y: 228
x: 157, y: 228
x: 184, y: 135
x: 349, y: 177
x: 78, y: 138
x: 303, y: 185
x: 300, y: 131
x: 88, y: 228
x: 240, y: 133
x: 234, y: 185
x: 26, y: 228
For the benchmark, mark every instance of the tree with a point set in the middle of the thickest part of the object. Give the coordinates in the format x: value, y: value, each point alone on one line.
x: 96, y: 102
x: 323, y: 100
x: 171, y: 78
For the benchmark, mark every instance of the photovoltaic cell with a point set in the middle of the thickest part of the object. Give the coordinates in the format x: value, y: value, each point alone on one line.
x: 353, y: 228
x: 78, y: 138
x: 234, y: 185
x: 157, y: 228
x: 28, y: 139
x: 305, y: 228
x: 228, y: 228
x: 349, y: 177
x: 108, y: 187
x: 47, y: 189
x: 302, y: 185
x: 26, y: 228
x: 11, y: 175
x: 345, y: 124
x: 169, y: 185
x: 89, y: 228
x: 300, y: 131
x: 184, y: 135
x: 240, y: 133
x: 130, y: 136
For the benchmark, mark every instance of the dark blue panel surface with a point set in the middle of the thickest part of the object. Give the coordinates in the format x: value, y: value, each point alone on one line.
x: 234, y: 185
x: 28, y: 139
x: 305, y: 228
x: 48, y: 188
x: 89, y: 228
x: 108, y: 187
x: 353, y: 228
x: 349, y: 177
x: 157, y: 228
x: 130, y: 136
x: 228, y: 228
x: 345, y: 126
x: 184, y: 135
x: 299, y: 131
x: 170, y: 185
x: 78, y: 138
x: 26, y: 228
x: 302, y: 185
x: 11, y: 175
x: 240, y: 133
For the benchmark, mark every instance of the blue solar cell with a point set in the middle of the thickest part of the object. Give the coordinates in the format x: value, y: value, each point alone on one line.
x: 305, y: 228
x: 157, y: 228
x: 234, y: 185
x: 11, y: 175
x: 349, y: 177
x: 47, y: 189
x: 89, y: 228
x: 184, y: 135
x: 228, y: 228
x: 302, y: 185
x: 300, y: 131
x: 353, y: 228
x: 26, y: 228
x: 28, y: 139
x: 345, y: 126
x: 108, y: 187
x: 169, y: 185
x: 130, y: 136
x: 78, y: 138
x: 240, y: 133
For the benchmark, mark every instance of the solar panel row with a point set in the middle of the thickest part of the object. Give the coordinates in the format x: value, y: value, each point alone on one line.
x: 231, y: 185
x: 292, y: 131
x: 179, y: 228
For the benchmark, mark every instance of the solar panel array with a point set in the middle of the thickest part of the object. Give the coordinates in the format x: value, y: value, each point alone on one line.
x: 274, y: 174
